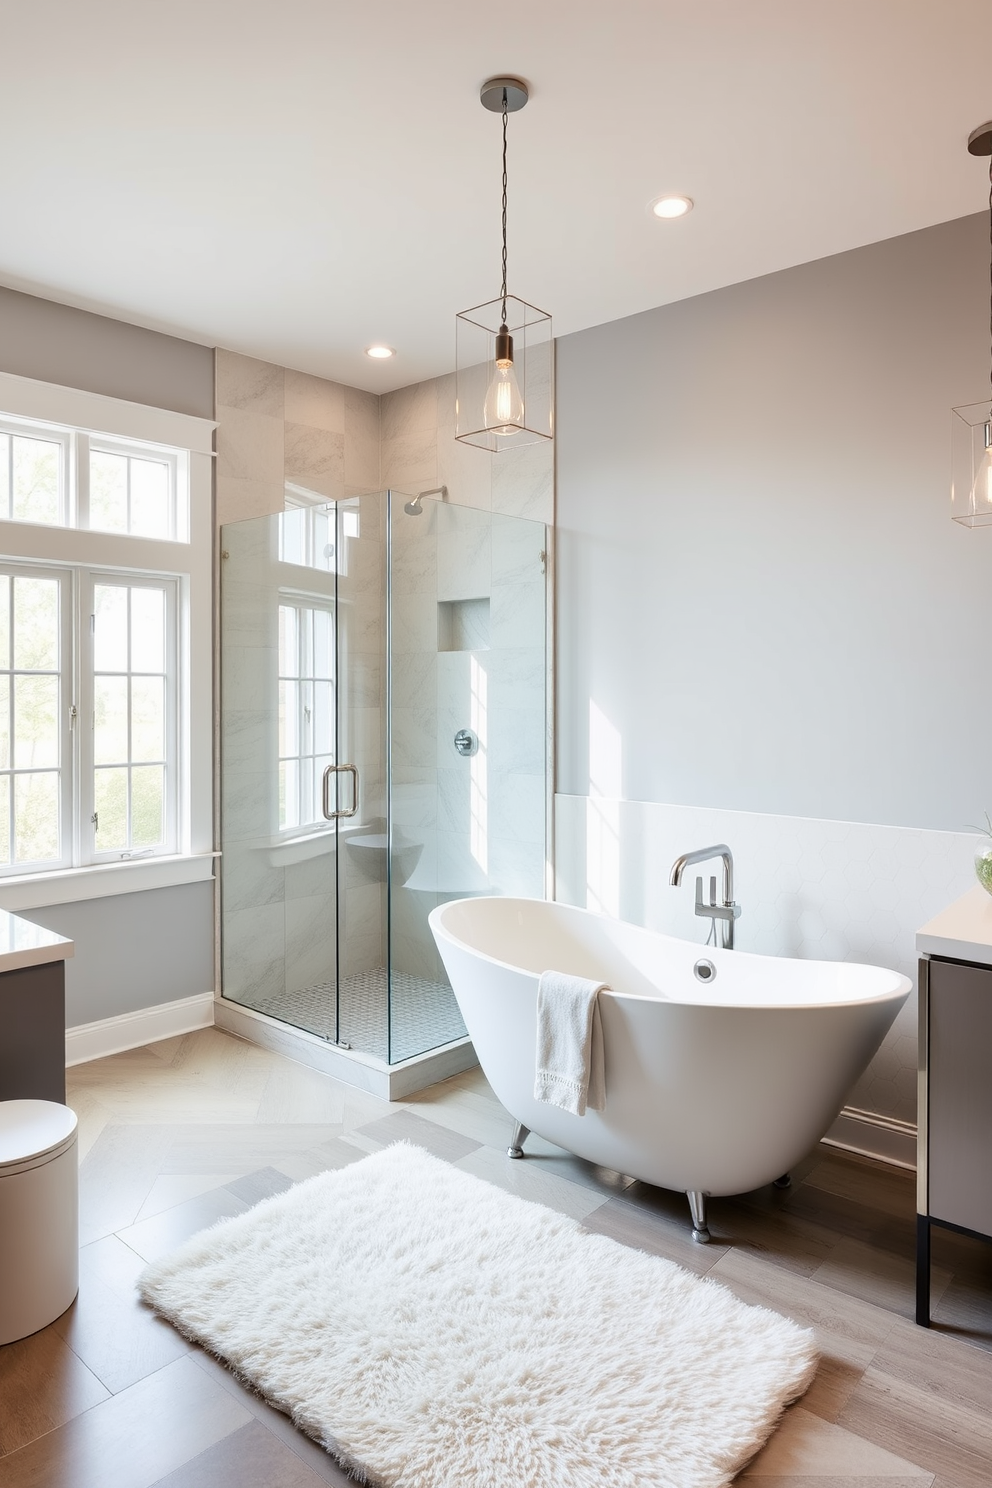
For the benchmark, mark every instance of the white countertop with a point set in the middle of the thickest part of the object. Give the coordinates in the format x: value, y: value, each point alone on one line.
x: 23, y: 943
x: 962, y: 931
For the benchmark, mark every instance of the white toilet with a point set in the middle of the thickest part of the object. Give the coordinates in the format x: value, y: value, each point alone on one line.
x: 39, y: 1215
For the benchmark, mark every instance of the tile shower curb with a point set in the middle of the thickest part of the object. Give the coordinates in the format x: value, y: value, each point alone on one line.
x: 390, y: 1082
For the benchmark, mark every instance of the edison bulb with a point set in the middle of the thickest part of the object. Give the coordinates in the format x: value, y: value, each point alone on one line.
x: 981, y: 491
x: 504, y: 410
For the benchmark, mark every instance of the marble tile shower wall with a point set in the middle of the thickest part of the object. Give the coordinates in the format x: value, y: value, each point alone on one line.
x: 473, y: 825
x: 277, y: 427
x: 419, y: 451
x: 813, y: 889
x: 478, y: 822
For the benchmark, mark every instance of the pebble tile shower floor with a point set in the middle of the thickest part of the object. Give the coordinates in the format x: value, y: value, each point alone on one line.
x: 423, y: 1014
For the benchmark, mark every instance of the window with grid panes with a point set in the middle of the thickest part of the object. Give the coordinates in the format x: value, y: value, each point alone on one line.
x: 35, y: 748
x: 71, y: 478
x: 90, y: 666
x: 131, y: 669
x: 33, y: 464
x: 306, y: 711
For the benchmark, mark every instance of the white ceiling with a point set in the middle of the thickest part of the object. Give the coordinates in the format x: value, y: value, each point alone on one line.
x: 295, y: 180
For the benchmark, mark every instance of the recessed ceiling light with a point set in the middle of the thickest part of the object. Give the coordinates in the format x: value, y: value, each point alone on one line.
x: 380, y: 352
x: 671, y: 206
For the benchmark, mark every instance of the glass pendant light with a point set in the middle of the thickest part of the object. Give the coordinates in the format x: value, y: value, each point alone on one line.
x: 504, y: 393
x: 971, y: 426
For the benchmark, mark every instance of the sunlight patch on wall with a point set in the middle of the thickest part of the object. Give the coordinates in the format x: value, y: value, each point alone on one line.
x: 603, y: 819
x: 478, y: 786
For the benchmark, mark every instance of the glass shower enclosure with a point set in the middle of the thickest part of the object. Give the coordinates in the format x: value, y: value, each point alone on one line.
x: 383, y: 747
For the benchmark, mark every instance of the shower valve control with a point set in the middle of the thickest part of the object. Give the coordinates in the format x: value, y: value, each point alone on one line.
x: 466, y: 742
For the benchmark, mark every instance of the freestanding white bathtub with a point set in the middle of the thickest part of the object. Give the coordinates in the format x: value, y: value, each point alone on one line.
x: 712, y: 1087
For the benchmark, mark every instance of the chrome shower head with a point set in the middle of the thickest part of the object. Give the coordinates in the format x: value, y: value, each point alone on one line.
x: 415, y: 507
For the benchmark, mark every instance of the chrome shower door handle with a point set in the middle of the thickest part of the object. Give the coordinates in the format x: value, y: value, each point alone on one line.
x: 325, y: 791
x: 351, y: 770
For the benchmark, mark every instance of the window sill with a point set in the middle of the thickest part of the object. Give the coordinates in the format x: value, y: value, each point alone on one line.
x: 100, y: 881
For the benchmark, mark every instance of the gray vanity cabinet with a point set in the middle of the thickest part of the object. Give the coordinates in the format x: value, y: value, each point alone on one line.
x: 954, y: 1166
x: 32, y: 1033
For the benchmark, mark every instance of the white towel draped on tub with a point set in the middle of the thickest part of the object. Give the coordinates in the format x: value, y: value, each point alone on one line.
x: 570, y: 1062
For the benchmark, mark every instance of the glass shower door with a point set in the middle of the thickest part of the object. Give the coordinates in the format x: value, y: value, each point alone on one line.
x: 279, y: 685
x: 308, y: 760
x: 359, y: 790
x: 303, y: 768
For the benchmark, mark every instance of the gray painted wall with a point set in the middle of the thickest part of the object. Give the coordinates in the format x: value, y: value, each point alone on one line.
x: 759, y: 586
x: 134, y: 950
x: 74, y: 348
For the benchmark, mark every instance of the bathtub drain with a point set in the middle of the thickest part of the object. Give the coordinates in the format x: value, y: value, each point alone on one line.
x: 704, y: 971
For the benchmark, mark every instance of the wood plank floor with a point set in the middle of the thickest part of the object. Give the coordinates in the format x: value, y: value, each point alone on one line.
x: 181, y: 1133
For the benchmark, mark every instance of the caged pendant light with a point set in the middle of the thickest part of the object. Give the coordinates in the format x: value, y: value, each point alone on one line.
x: 504, y: 351
x: 971, y: 426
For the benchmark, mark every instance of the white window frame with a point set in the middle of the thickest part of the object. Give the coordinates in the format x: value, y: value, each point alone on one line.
x: 88, y: 580
x: 74, y: 485
x: 175, y: 461
x: 51, y: 434
x: 186, y: 559
x: 64, y: 578
x: 299, y: 500
x: 302, y: 603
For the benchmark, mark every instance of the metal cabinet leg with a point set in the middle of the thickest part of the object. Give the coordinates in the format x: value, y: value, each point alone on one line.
x: 923, y: 1270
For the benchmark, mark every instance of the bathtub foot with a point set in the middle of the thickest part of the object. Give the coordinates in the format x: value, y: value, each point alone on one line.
x: 784, y: 1182
x: 520, y: 1135
x: 697, y: 1206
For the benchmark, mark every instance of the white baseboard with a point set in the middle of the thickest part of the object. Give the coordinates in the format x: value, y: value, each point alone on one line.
x: 881, y: 1137
x: 144, y: 1026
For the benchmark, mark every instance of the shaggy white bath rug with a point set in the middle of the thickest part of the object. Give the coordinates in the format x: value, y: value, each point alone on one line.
x: 432, y: 1331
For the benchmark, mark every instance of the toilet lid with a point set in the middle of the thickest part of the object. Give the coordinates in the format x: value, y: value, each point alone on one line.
x: 32, y: 1128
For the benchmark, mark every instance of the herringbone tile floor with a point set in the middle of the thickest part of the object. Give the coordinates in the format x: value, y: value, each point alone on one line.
x: 183, y: 1132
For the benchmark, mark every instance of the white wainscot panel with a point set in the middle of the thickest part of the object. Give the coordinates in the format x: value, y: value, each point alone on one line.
x: 808, y: 888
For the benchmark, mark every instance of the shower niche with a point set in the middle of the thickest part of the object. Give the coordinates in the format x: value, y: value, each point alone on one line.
x: 359, y: 639
x: 463, y: 624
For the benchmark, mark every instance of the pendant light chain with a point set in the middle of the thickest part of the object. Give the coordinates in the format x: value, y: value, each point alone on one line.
x: 504, y: 204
